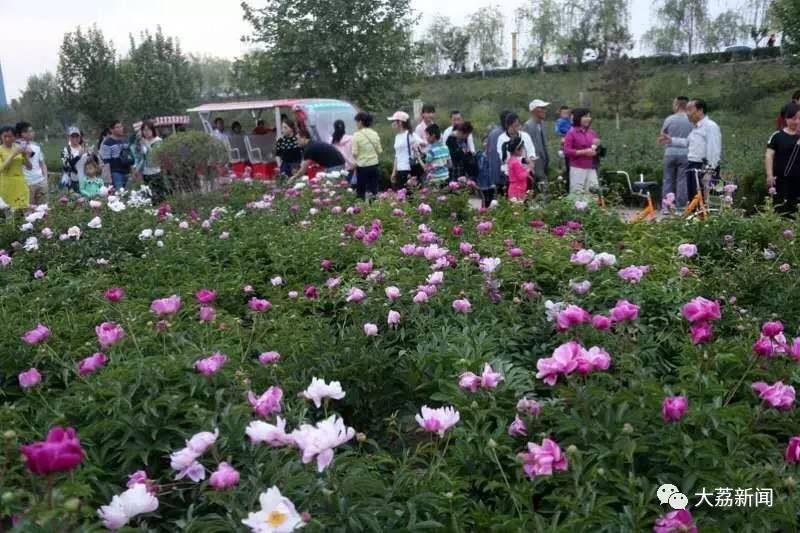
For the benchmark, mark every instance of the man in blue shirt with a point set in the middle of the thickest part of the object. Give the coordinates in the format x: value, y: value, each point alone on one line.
x: 117, y: 157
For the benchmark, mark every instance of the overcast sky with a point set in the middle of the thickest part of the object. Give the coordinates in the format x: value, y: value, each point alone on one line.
x: 32, y: 30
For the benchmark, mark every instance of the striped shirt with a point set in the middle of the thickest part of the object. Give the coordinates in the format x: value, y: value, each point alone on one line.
x: 437, y: 161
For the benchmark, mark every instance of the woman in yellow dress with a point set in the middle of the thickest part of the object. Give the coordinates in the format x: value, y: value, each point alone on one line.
x: 13, y: 187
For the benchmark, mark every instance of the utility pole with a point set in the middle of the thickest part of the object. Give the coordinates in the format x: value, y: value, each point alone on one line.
x: 514, y: 50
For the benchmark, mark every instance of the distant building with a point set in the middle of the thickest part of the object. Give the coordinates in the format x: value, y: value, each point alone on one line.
x: 3, y: 101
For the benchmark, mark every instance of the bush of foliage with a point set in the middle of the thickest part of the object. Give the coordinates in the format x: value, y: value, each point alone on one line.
x: 188, y: 158
x: 404, y: 302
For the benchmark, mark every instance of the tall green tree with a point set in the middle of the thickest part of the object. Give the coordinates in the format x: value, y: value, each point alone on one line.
x: 610, y: 33
x: 88, y: 75
x: 485, y: 32
x: 355, y: 49
x: 726, y: 29
x: 756, y: 18
x: 41, y: 103
x: 158, y: 77
x: 619, y: 85
x: 214, y: 76
x: 541, y: 22
x: 678, y: 26
x: 577, y: 29
x: 785, y: 15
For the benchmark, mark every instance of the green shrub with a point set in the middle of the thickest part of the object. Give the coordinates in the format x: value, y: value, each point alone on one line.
x: 188, y: 157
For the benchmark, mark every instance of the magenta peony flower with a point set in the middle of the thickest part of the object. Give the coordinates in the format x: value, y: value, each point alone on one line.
x: 267, y: 358
x: 601, y: 323
x: 465, y: 248
x: 679, y: 521
x: 211, y: 365
x: 59, y: 452
x: 673, y: 408
x: 364, y: 268
x: 515, y: 252
x: 114, y: 294
x: 770, y: 346
x: 205, y: 296
x: 687, y: 250
x: 469, y: 381
x: 310, y: 292
x: 777, y: 395
x: 794, y: 349
x: 572, y: 315
x: 633, y: 273
x: 326, y: 264
x: 393, y: 318
x: 592, y: 360
x: 684, y: 272
x: 37, y: 335
x: 166, y: 306
x: 701, y: 332
x: 268, y: 403
x: 543, y: 460
x: 207, y: 313
x: 462, y: 306
x: 109, y: 333
x: 530, y: 407
x: 701, y: 310
x: 489, y: 378
x: 624, y: 310
x: 92, y: 363
x: 772, y: 329
x: 355, y: 295
x: 437, y: 420
x: 225, y: 476
x: 517, y: 428
x: 792, y: 453
x: 563, y: 361
x: 259, y: 306
x: 29, y: 378
x: 484, y: 227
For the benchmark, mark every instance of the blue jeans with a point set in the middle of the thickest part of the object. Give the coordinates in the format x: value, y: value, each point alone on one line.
x: 119, y: 180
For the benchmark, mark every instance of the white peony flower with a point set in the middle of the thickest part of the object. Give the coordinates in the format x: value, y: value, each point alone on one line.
x: 277, y: 514
x: 28, y: 226
x: 489, y: 264
x: 74, y: 232
x: 146, y: 234
x: 318, y: 390
x: 31, y: 244
x: 95, y: 223
x: 158, y: 233
x: 126, y: 506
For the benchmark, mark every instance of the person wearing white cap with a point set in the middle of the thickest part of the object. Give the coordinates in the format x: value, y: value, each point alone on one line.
x: 406, y: 151
x: 73, y: 159
x: 535, y: 128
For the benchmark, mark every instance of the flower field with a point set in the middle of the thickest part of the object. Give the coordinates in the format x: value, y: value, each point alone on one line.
x: 267, y: 359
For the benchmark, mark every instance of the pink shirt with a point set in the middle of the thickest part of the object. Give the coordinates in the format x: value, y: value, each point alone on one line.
x: 517, y: 178
x: 579, y: 139
x: 345, y: 147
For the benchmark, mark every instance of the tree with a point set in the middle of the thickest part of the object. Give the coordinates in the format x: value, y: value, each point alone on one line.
x: 576, y: 30
x: 455, y: 45
x: 726, y: 29
x: 610, y: 33
x: 785, y: 13
x: 679, y: 26
x: 485, y: 31
x: 541, y: 19
x: 158, y: 77
x: 619, y: 78
x: 41, y: 104
x: 88, y: 75
x: 214, y: 76
x: 356, y: 49
x: 756, y: 18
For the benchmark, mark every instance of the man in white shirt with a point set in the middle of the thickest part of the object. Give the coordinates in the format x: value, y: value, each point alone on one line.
x: 427, y: 118
x: 514, y: 129
x: 704, y: 144
x: 219, y: 129
x: 36, y: 176
x: 455, y: 119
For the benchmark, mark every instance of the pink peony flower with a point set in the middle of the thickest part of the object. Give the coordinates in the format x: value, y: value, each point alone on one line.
x: 624, y: 310
x: 701, y: 310
x: 489, y: 378
x: 259, y: 306
x: 355, y: 295
x: 768, y: 346
x: 59, y: 452
x: 37, y: 335
x: 772, y: 329
x: 319, y: 441
x: 563, y: 361
x: 484, y: 227
x: 601, y: 323
x: 109, y: 333
x: 673, y: 408
x: 267, y: 358
x: 792, y: 453
x: 29, y: 378
x: 684, y: 272
x: 207, y: 313
x: 572, y: 315
x: 370, y: 330
x: 201, y: 442
x: 469, y: 381
x: 166, y: 306
x: 364, y: 268
x: 205, y: 296
x: 92, y: 363
x: 225, y: 476
x: 437, y: 420
x: 592, y: 360
x: 777, y: 395
x: 794, y: 348
x: 543, y: 460
x: 580, y: 287
x: 421, y: 297
x: 465, y: 248
x: 326, y: 264
x: 268, y: 403
x: 632, y: 274
x: 701, y: 332
x: 517, y: 428
x: 582, y: 257
x: 318, y: 390
x: 530, y: 407
x: 393, y: 318
x: 114, y: 294
x: 272, y: 435
x: 393, y: 293
x: 462, y: 306
x: 679, y: 521
x: 687, y: 250
x: 211, y: 365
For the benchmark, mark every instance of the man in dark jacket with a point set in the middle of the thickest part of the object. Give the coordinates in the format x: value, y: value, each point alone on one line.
x: 495, y: 172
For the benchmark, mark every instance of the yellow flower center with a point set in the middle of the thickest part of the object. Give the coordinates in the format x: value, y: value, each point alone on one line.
x: 276, y: 518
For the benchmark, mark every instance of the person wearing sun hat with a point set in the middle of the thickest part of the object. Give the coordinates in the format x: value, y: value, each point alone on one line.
x: 406, y: 149
x: 535, y: 128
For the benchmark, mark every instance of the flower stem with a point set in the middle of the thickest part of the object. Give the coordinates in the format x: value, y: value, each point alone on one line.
x: 739, y: 384
x: 505, y: 480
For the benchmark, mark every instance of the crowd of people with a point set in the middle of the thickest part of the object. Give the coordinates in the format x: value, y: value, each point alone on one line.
x: 513, y: 160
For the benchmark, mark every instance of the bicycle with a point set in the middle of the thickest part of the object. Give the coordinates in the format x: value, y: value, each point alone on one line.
x: 710, y: 190
x: 637, y: 189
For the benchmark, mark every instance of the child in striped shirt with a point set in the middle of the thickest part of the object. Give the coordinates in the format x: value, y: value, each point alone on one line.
x: 437, y: 160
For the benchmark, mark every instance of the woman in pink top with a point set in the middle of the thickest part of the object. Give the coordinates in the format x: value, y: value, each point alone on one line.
x: 343, y: 143
x: 580, y: 147
x: 517, y: 172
